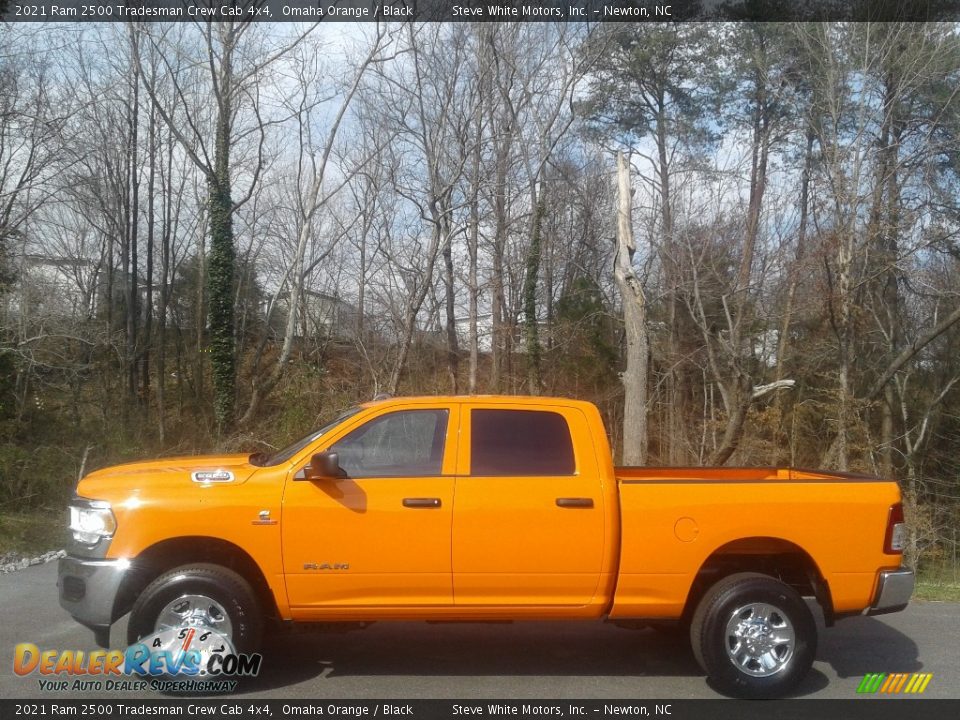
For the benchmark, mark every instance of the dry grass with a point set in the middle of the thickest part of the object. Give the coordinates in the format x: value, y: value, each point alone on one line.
x: 31, y: 533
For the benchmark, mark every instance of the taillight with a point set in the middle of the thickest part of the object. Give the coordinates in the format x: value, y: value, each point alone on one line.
x: 896, y: 537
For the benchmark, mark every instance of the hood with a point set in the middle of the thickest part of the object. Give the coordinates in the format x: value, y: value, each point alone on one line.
x: 189, y: 470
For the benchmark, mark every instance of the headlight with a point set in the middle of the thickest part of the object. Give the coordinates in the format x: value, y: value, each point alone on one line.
x: 91, y: 521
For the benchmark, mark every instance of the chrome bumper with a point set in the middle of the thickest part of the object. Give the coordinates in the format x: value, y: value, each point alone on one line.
x: 88, y: 589
x: 893, y: 592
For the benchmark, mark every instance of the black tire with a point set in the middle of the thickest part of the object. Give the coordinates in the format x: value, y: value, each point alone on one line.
x: 222, y: 585
x: 723, y: 621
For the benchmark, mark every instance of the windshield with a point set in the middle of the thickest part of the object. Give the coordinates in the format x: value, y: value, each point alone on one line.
x: 291, y: 450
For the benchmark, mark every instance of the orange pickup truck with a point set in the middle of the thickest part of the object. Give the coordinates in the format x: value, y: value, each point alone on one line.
x: 486, y: 508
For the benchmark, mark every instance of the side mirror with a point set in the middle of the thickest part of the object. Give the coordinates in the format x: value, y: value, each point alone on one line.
x: 324, y: 466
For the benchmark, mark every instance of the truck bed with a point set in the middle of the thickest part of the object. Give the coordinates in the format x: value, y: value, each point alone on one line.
x: 676, y: 519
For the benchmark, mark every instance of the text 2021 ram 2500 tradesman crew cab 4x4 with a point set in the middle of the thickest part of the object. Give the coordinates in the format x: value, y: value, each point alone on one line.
x: 486, y: 508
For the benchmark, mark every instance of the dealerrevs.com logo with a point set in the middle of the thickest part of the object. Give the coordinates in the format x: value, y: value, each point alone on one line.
x: 179, y: 659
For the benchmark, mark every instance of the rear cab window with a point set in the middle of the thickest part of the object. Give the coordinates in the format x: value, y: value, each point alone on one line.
x: 520, y: 443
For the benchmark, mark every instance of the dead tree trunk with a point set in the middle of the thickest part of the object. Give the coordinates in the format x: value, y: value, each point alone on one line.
x: 634, y: 376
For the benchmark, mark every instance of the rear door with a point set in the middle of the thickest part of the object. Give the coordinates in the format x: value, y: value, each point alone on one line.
x: 381, y: 536
x: 528, y: 521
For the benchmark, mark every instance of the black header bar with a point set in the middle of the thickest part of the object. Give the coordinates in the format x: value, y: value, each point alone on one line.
x: 71, y: 11
x: 245, y: 708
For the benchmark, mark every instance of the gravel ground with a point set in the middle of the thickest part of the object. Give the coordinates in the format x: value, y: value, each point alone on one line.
x: 13, y: 561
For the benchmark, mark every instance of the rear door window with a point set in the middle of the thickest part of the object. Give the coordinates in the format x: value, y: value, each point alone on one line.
x: 520, y: 442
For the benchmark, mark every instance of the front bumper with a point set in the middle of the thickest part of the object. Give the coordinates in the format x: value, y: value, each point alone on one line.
x: 88, y: 589
x: 893, y: 592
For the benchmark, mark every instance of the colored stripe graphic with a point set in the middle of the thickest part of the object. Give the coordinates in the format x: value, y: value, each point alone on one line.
x: 871, y: 682
x: 894, y: 683
x: 900, y: 682
x: 921, y: 682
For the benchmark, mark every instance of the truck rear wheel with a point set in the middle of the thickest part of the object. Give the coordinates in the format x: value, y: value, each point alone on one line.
x: 205, y: 595
x: 754, y: 636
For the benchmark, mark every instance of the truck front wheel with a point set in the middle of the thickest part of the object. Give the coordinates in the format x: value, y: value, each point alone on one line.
x: 754, y: 636
x: 205, y: 595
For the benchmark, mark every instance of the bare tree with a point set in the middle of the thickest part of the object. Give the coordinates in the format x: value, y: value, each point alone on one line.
x: 634, y: 376
x: 849, y: 126
x: 312, y: 169
x: 234, y: 69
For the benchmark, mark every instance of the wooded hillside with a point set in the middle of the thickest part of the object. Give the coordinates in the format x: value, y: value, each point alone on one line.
x: 218, y: 236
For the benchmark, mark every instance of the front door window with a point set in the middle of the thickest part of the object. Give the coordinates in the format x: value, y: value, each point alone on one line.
x: 408, y: 443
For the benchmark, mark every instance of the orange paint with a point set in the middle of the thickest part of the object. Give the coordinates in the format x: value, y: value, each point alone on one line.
x: 503, y: 545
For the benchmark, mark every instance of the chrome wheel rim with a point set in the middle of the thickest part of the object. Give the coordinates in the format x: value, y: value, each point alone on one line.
x: 195, y: 611
x: 760, y: 639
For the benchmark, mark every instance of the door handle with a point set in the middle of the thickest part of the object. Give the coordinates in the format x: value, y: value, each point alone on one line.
x: 575, y: 502
x: 421, y: 502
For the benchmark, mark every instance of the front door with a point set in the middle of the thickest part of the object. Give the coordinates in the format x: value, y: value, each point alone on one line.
x: 379, y: 537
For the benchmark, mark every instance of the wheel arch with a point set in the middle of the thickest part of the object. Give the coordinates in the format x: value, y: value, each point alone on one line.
x: 773, y: 556
x: 173, y: 552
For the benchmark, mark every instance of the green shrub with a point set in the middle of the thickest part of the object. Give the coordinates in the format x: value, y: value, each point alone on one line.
x: 35, y: 477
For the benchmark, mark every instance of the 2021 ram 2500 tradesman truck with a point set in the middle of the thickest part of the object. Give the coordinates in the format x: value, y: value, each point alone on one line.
x: 486, y: 508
